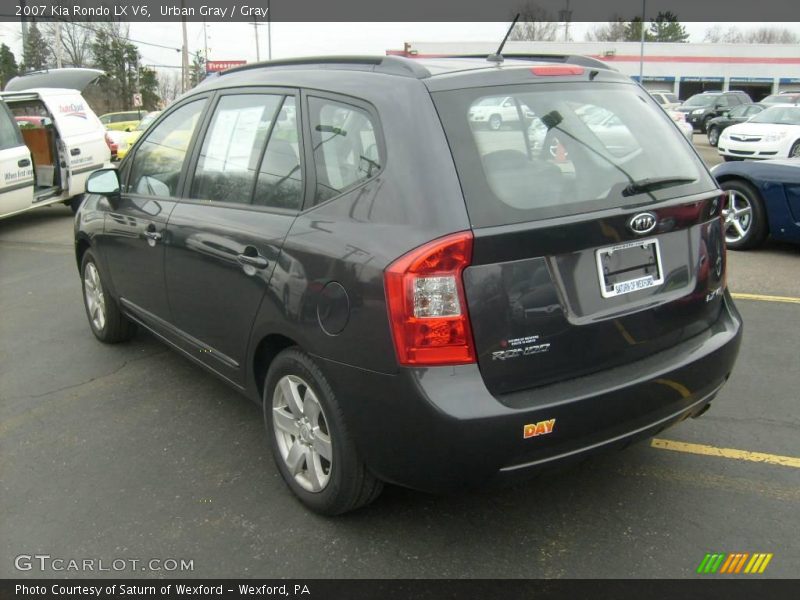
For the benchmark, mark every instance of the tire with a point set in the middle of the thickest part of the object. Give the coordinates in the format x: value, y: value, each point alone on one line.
x: 327, y: 485
x: 705, y: 123
x: 113, y: 327
x: 495, y: 122
x: 713, y: 136
x: 75, y: 203
x: 746, y: 208
x: 794, y: 151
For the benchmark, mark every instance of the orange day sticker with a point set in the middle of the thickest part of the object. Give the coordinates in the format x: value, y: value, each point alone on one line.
x: 540, y: 428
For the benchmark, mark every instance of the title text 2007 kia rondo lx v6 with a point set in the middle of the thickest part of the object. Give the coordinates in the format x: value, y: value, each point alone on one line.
x: 416, y: 292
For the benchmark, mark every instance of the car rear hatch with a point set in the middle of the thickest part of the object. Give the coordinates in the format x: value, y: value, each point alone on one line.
x: 597, y: 237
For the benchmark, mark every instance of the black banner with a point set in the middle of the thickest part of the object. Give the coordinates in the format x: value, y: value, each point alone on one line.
x: 417, y: 589
x: 407, y: 10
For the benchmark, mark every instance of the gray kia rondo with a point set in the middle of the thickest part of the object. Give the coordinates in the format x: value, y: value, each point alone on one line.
x: 428, y: 272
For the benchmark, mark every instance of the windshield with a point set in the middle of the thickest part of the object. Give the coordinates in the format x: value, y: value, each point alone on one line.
x: 578, y: 147
x: 781, y: 115
x: 700, y: 100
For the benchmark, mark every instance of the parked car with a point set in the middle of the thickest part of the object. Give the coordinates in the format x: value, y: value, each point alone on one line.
x: 127, y: 139
x: 122, y: 121
x: 683, y: 125
x: 782, y: 98
x: 501, y: 310
x: 701, y: 108
x: 667, y: 99
x: 773, y: 133
x: 738, y: 114
x: 50, y: 140
x: 763, y: 197
x: 494, y: 111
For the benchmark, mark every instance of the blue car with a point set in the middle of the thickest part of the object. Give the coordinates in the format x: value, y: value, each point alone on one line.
x: 764, y: 199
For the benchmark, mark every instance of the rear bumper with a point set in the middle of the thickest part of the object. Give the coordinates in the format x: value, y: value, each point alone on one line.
x: 440, y: 429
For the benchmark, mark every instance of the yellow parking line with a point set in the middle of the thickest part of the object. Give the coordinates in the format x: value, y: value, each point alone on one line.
x: 762, y: 298
x: 772, y: 459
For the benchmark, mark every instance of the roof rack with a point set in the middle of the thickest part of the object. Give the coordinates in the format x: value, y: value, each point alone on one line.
x: 390, y: 65
x: 571, y: 59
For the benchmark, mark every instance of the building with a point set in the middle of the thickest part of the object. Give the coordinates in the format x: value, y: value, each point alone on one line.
x: 686, y: 69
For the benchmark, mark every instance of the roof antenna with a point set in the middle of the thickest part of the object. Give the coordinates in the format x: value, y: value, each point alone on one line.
x: 497, y: 57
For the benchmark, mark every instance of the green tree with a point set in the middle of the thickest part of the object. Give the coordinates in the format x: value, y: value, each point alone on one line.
x: 8, y: 65
x: 197, y: 70
x: 148, y: 87
x: 115, y: 55
x: 36, y: 54
x: 633, y: 31
x: 666, y: 28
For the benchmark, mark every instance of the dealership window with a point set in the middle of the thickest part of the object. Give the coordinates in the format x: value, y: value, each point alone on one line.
x: 345, y: 146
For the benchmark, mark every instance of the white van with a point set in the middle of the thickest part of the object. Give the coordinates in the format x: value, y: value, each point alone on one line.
x: 50, y: 140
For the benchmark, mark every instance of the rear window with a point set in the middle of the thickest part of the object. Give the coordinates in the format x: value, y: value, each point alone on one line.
x: 563, y: 149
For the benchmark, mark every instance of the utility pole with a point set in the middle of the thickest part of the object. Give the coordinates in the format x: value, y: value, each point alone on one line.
x: 269, y: 31
x: 255, y: 33
x: 205, y: 40
x: 24, y: 23
x: 184, y: 54
x: 641, y: 46
x: 59, y: 49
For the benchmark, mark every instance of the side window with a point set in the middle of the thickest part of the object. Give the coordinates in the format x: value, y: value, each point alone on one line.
x: 280, y: 179
x: 659, y: 98
x: 345, y: 146
x: 159, y: 159
x: 672, y: 98
x: 9, y: 132
x: 228, y: 162
x: 724, y: 101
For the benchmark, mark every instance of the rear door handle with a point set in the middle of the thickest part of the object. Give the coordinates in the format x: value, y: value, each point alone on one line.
x: 75, y: 151
x: 252, y: 258
x: 25, y: 162
x: 151, y: 234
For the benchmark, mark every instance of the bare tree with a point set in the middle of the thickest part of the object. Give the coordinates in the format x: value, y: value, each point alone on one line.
x: 535, y: 24
x: 169, y: 86
x: 771, y: 35
x: 76, y: 42
x: 613, y: 31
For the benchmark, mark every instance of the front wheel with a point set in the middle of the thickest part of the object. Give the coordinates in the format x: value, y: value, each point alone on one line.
x: 745, y: 219
x: 106, y: 321
x: 495, y: 122
x: 713, y: 136
x: 706, y: 121
x: 311, y: 444
x: 795, y: 150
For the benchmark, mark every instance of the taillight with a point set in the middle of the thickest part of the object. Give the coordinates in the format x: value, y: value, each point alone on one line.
x: 427, y: 307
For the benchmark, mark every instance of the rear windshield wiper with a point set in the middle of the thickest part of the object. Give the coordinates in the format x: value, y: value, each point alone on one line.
x: 655, y: 183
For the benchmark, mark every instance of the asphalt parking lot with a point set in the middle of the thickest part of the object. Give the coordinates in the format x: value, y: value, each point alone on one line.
x: 133, y: 452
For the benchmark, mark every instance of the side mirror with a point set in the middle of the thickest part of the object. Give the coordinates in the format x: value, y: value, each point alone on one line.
x: 104, y: 182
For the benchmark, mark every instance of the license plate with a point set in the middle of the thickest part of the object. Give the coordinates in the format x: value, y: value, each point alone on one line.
x: 629, y: 267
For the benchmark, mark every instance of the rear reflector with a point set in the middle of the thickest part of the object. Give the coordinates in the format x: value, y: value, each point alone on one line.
x: 425, y: 297
x: 557, y: 70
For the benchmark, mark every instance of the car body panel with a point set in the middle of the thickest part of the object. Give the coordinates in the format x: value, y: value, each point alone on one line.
x: 778, y: 183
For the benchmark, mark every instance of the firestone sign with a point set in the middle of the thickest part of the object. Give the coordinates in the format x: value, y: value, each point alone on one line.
x: 213, y: 66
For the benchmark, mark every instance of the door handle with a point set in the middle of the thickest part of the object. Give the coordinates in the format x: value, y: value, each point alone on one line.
x: 25, y: 162
x: 252, y: 258
x: 75, y: 151
x: 151, y: 234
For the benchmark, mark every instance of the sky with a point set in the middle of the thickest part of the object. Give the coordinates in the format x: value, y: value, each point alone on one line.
x: 236, y: 41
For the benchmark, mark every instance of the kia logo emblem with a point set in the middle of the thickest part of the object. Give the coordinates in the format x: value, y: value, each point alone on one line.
x: 642, y: 223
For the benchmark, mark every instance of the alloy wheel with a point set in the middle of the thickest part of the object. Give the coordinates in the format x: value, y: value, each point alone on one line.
x: 738, y: 216
x: 795, y: 151
x: 301, y: 431
x: 93, y: 294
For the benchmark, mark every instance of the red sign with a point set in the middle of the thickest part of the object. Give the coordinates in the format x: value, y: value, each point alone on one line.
x: 212, y: 66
